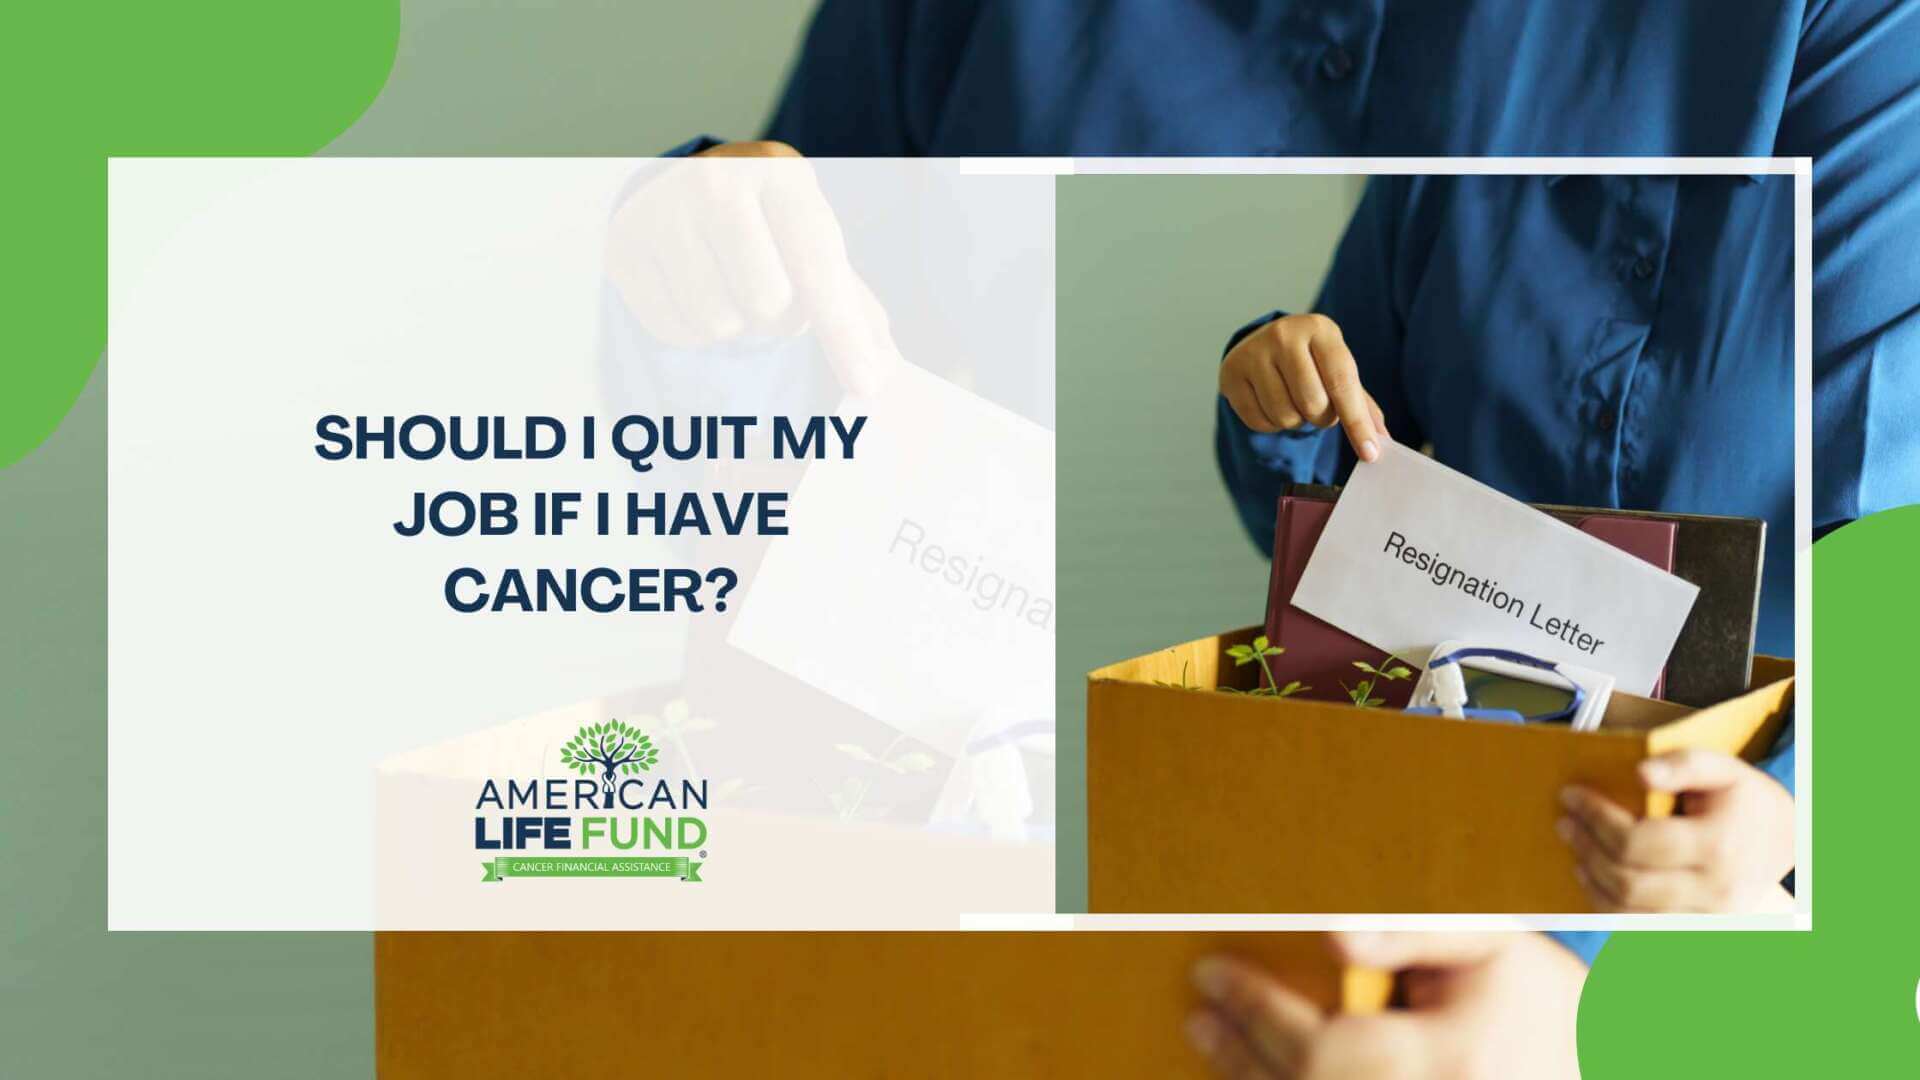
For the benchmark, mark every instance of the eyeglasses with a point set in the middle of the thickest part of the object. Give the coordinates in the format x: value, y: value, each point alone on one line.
x: 1484, y: 683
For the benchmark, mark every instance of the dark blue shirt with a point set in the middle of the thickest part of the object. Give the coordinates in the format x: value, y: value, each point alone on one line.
x: 1684, y: 362
x: 1618, y: 341
x: 1837, y: 81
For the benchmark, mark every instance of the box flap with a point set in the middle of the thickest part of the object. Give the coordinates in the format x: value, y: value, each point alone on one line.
x: 1747, y: 725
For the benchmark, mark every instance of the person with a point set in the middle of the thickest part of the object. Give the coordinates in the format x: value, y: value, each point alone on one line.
x: 1491, y: 1005
x: 1618, y: 341
x: 1829, y: 80
x: 1735, y: 78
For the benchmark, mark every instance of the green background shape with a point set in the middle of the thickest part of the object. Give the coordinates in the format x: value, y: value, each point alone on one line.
x: 582, y: 76
x: 1839, y: 1001
x: 212, y: 77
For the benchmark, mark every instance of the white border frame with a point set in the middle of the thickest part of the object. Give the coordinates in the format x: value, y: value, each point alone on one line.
x: 1801, y: 169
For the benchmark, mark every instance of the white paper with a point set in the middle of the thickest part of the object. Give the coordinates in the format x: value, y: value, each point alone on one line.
x: 1415, y: 554
x: 917, y: 584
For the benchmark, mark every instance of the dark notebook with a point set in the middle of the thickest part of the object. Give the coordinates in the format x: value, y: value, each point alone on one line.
x: 1711, y: 661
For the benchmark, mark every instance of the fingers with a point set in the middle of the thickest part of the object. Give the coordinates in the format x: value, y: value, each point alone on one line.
x: 1379, y: 418
x: 706, y: 253
x: 1409, y: 949
x: 884, y: 353
x: 752, y: 148
x: 1324, y: 381
x: 1693, y: 770
x: 1294, y: 357
x: 1618, y: 889
x: 1347, y: 1048
x: 1275, y: 1021
x: 1254, y: 1027
x: 1297, y: 370
x: 1596, y: 817
x: 857, y: 345
x: 1595, y: 823
x: 695, y: 284
x: 664, y: 264
x: 1225, y: 1049
x: 1275, y: 399
x: 743, y: 247
x: 1380, y: 1046
x: 1341, y: 378
x: 1629, y: 865
x: 1245, y: 403
x: 644, y: 290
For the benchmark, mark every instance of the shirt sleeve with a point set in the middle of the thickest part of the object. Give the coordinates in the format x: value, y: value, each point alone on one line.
x: 1852, y: 103
x: 1359, y: 296
x: 695, y: 145
x: 845, y: 96
x: 1779, y: 761
x: 1584, y: 944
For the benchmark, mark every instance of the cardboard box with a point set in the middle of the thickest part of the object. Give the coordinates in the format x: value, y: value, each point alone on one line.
x: 1208, y: 802
x: 814, y: 1004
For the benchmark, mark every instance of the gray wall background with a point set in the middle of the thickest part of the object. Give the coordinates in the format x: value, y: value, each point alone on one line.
x: 578, y: 77
x: 1154, y: 273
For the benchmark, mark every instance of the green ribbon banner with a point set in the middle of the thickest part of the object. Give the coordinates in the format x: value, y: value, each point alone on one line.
x: 675, y: 866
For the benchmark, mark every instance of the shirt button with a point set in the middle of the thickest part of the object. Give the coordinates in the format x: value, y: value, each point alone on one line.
x: 1643, y: 268
x: 1606, y: 422
x: 1337, y: 64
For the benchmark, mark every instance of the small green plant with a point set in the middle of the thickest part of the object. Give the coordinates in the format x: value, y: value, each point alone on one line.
x: 849, y: 802
x: 1361, y: 693
x: 675, y: 723
x: 1185, y: 683
x: 1257, y: 653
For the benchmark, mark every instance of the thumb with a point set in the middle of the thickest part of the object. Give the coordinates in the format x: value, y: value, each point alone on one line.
x: 1408, y: 949
x: 1692, y: 770
x: 1386, y: 1044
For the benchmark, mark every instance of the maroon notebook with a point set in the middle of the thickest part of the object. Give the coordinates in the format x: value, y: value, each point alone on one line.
x: 1321, y: 656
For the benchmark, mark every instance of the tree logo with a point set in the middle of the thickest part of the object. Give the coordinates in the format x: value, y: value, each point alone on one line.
x: 612, y: 748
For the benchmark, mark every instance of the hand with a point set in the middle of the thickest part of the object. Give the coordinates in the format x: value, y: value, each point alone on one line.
x: 1478, y: 1006
x: 1726, y: 850
x: 1296, y: 370
x: 703, y: 254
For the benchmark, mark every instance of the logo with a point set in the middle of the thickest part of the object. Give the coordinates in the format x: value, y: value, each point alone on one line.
x: 615, y: 748
x: 622, y: 818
